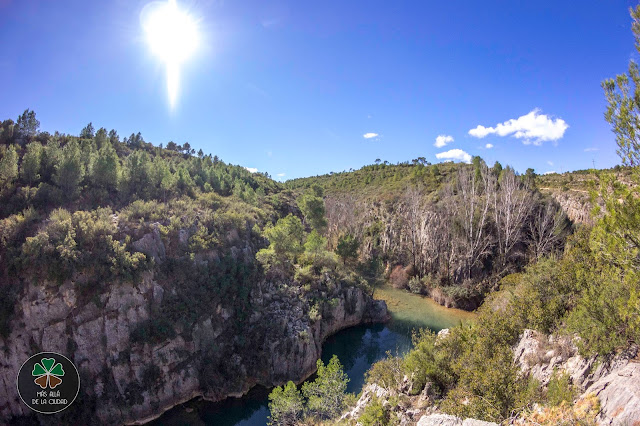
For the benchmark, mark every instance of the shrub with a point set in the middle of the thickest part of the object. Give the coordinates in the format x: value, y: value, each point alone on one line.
x: 399, y: 277
x: 286, y: 405
x: 416, y: 286
x: 560, y: 390
x: 374, y: 414
x: 154, y: 330
x: 387, y: 373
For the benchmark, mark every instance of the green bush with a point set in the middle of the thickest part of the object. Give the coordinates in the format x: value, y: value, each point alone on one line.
x: 374, y: 414
x: 285, y: 405
x: 560, y: 390
x: 153, y: 330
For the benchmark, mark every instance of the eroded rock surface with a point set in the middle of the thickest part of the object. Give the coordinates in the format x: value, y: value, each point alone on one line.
x: 615, y: 380
x: 131, y: 382
x: 447, y: 420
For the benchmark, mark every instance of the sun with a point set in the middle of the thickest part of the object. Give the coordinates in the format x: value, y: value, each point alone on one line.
x: 172, y: 35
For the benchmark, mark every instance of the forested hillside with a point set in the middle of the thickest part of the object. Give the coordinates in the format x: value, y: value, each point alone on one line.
x: 77, y: 204
x: 448, y: 230
x: 162, y: 273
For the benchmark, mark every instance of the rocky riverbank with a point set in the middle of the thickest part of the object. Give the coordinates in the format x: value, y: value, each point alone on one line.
x: 608, y: 388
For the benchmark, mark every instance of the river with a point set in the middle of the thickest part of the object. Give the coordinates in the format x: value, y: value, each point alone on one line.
x: 356, y: 347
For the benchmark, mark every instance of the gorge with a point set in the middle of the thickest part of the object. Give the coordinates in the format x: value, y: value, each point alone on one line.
x: 357, y: 348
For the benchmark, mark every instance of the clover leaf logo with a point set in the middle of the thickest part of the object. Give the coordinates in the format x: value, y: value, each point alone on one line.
x: 47, y: 372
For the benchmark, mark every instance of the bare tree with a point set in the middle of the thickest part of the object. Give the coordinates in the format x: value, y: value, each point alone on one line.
x: 472, y: 214
x: 546, y: 229
x: 434, y: 237
x: 411, y: 211
x: 512, y: 204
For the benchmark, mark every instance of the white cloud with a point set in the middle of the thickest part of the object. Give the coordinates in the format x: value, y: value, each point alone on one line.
x: 281, y: 174
x: 370, y: 135
x: 591, y: 149
x: 550, y: 163
x: 532, y: 128
x: 442, y: 140
x: 454, y: 154
x: 489, y: 146
x: 251, y: 169
x: 549, y: 172
x: 480, y: 131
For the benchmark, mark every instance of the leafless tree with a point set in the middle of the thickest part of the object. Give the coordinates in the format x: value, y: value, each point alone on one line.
x: 512, y: 204
x: 546, y: 229
x: 472, y: 215
x: 410, y: 207
x: 434, y: 237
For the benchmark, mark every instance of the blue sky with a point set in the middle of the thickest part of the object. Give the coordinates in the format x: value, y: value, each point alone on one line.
x: 291, y: 87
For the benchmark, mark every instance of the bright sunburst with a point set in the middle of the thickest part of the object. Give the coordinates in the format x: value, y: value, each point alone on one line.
x: 172, y: 35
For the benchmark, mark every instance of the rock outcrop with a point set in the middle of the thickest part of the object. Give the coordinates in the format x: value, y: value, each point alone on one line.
x: 447, y: 420
x: 615, y: 380
x: 575, y: 203
x: 124, y: 381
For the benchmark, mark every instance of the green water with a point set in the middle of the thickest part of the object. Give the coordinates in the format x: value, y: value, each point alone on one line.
x: 356, y: 347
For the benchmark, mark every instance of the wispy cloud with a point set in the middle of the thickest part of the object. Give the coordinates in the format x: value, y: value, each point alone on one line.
x: 454, y: 155
x: 531, y: 128
x: 268, y: 23
x: 251, y: 169
x: 591, y: 149
x: 550, y: 163
x: 550, y: 172
x: 489, y: 146
x: 443, y: 140
x: 370, y: 135
x: 281, y: 174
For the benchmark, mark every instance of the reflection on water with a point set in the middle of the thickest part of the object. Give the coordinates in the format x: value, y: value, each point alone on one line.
x: 357, y: 348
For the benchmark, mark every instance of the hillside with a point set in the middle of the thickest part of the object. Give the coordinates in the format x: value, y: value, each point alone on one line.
x: 447, y: 230
x: 556, y: 342
x: 141, y: 265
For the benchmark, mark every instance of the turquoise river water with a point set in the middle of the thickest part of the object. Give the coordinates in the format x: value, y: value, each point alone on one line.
x: 356, y: 347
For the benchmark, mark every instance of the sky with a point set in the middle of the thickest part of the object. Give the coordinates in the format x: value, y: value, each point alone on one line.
x: 300, y: 88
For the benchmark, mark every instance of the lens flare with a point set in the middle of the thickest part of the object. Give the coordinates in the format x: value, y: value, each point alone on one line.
x: 172, y: 35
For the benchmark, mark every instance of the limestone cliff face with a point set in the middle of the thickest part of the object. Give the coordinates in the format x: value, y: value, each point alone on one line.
x: 127, y: 382
x: 615, y: 380
x: 575, y: 203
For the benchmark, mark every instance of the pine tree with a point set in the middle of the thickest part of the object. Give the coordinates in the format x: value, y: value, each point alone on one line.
x: 27, y: 125
x: 326, y: 394
x: 312, y: 206
x: 8, y: 167
x: 347, y: 247
x: 286, y: 405
x: 70, y: 171
x: 88, y: 132
x: 106, y: 169
x: 30, y: 167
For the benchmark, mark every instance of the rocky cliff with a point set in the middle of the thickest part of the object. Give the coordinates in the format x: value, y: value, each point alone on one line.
x: 615, y: 379
x: 575, y: 203
x: 125, y: 380
x: 608, y: 386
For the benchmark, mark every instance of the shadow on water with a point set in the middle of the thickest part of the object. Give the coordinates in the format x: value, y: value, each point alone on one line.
x: 356, y: 347
x: 251, y: 409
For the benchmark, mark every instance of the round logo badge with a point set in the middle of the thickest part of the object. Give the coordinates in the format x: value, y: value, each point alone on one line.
x: 48, y: 382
